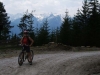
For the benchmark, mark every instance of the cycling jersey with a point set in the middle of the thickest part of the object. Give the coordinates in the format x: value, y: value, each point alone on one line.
x: 26, y: 40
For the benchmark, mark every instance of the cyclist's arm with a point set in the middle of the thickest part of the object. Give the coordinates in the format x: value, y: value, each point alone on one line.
x: 31, y: 41
x: 21, y: 41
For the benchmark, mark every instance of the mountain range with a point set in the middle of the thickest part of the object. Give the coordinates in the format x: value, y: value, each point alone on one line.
x: 54, y: 21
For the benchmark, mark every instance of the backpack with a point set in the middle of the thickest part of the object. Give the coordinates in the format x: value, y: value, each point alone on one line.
x: 29, y: 41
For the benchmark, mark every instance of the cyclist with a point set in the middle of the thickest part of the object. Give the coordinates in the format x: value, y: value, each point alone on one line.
x: 27, y: 42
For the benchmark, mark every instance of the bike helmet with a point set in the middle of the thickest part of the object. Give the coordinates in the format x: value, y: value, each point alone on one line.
x: 25, y: 32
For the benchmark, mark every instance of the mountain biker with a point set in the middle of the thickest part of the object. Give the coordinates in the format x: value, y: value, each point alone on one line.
x: 27, y: 42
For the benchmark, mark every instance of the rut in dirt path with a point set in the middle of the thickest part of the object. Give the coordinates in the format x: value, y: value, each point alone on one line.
x: 63, y: 63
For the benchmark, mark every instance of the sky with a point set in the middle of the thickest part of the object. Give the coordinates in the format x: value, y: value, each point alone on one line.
x: 42, y: 6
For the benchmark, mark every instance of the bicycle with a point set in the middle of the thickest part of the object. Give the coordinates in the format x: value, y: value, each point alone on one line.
x: 23, y: 56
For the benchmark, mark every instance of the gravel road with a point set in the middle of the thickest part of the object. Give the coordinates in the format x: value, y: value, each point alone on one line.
x: 61, y: 63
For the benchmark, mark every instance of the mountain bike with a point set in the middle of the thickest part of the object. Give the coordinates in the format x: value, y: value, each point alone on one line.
x: 23, y: 55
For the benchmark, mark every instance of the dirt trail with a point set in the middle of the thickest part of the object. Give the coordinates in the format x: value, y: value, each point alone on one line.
x: 62, y: 63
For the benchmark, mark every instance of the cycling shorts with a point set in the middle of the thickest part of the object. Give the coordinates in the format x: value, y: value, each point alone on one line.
x: 26, y: 48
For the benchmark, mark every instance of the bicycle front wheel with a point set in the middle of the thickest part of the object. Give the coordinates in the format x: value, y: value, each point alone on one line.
x: 21, y: 58
x: 32, y: 55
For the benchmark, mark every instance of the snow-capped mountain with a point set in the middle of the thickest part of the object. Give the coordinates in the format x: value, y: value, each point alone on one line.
x: 15, y: 16
x: 54, y: 21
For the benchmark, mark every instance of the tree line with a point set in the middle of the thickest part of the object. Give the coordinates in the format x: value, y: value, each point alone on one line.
x: 81, y: 30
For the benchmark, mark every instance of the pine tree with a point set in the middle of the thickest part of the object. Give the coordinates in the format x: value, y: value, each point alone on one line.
x: 14, y: 39
x: 4, y: 23
x: 57, y: 35
x: 76, y: 32
x: 80, y: 25
x: 36, y: 32
x: 43, y: 36
x: 65, y: 30
x: 94, y: 22
x: 53, y: 36
x: 26, y: 23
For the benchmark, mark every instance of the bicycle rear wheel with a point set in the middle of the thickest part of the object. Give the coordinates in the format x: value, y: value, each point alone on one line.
x: 21, y: 58
x: 32, y: 55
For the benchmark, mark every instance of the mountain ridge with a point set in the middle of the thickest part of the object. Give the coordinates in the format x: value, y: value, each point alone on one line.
x: 54, y: 21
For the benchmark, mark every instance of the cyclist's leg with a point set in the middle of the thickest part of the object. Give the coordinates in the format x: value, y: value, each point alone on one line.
x: 29, y: 53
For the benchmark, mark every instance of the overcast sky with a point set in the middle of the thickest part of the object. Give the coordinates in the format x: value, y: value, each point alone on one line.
x: 42, y: 6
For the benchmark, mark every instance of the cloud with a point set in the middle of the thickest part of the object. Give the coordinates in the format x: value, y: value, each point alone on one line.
x: 42, y: 6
